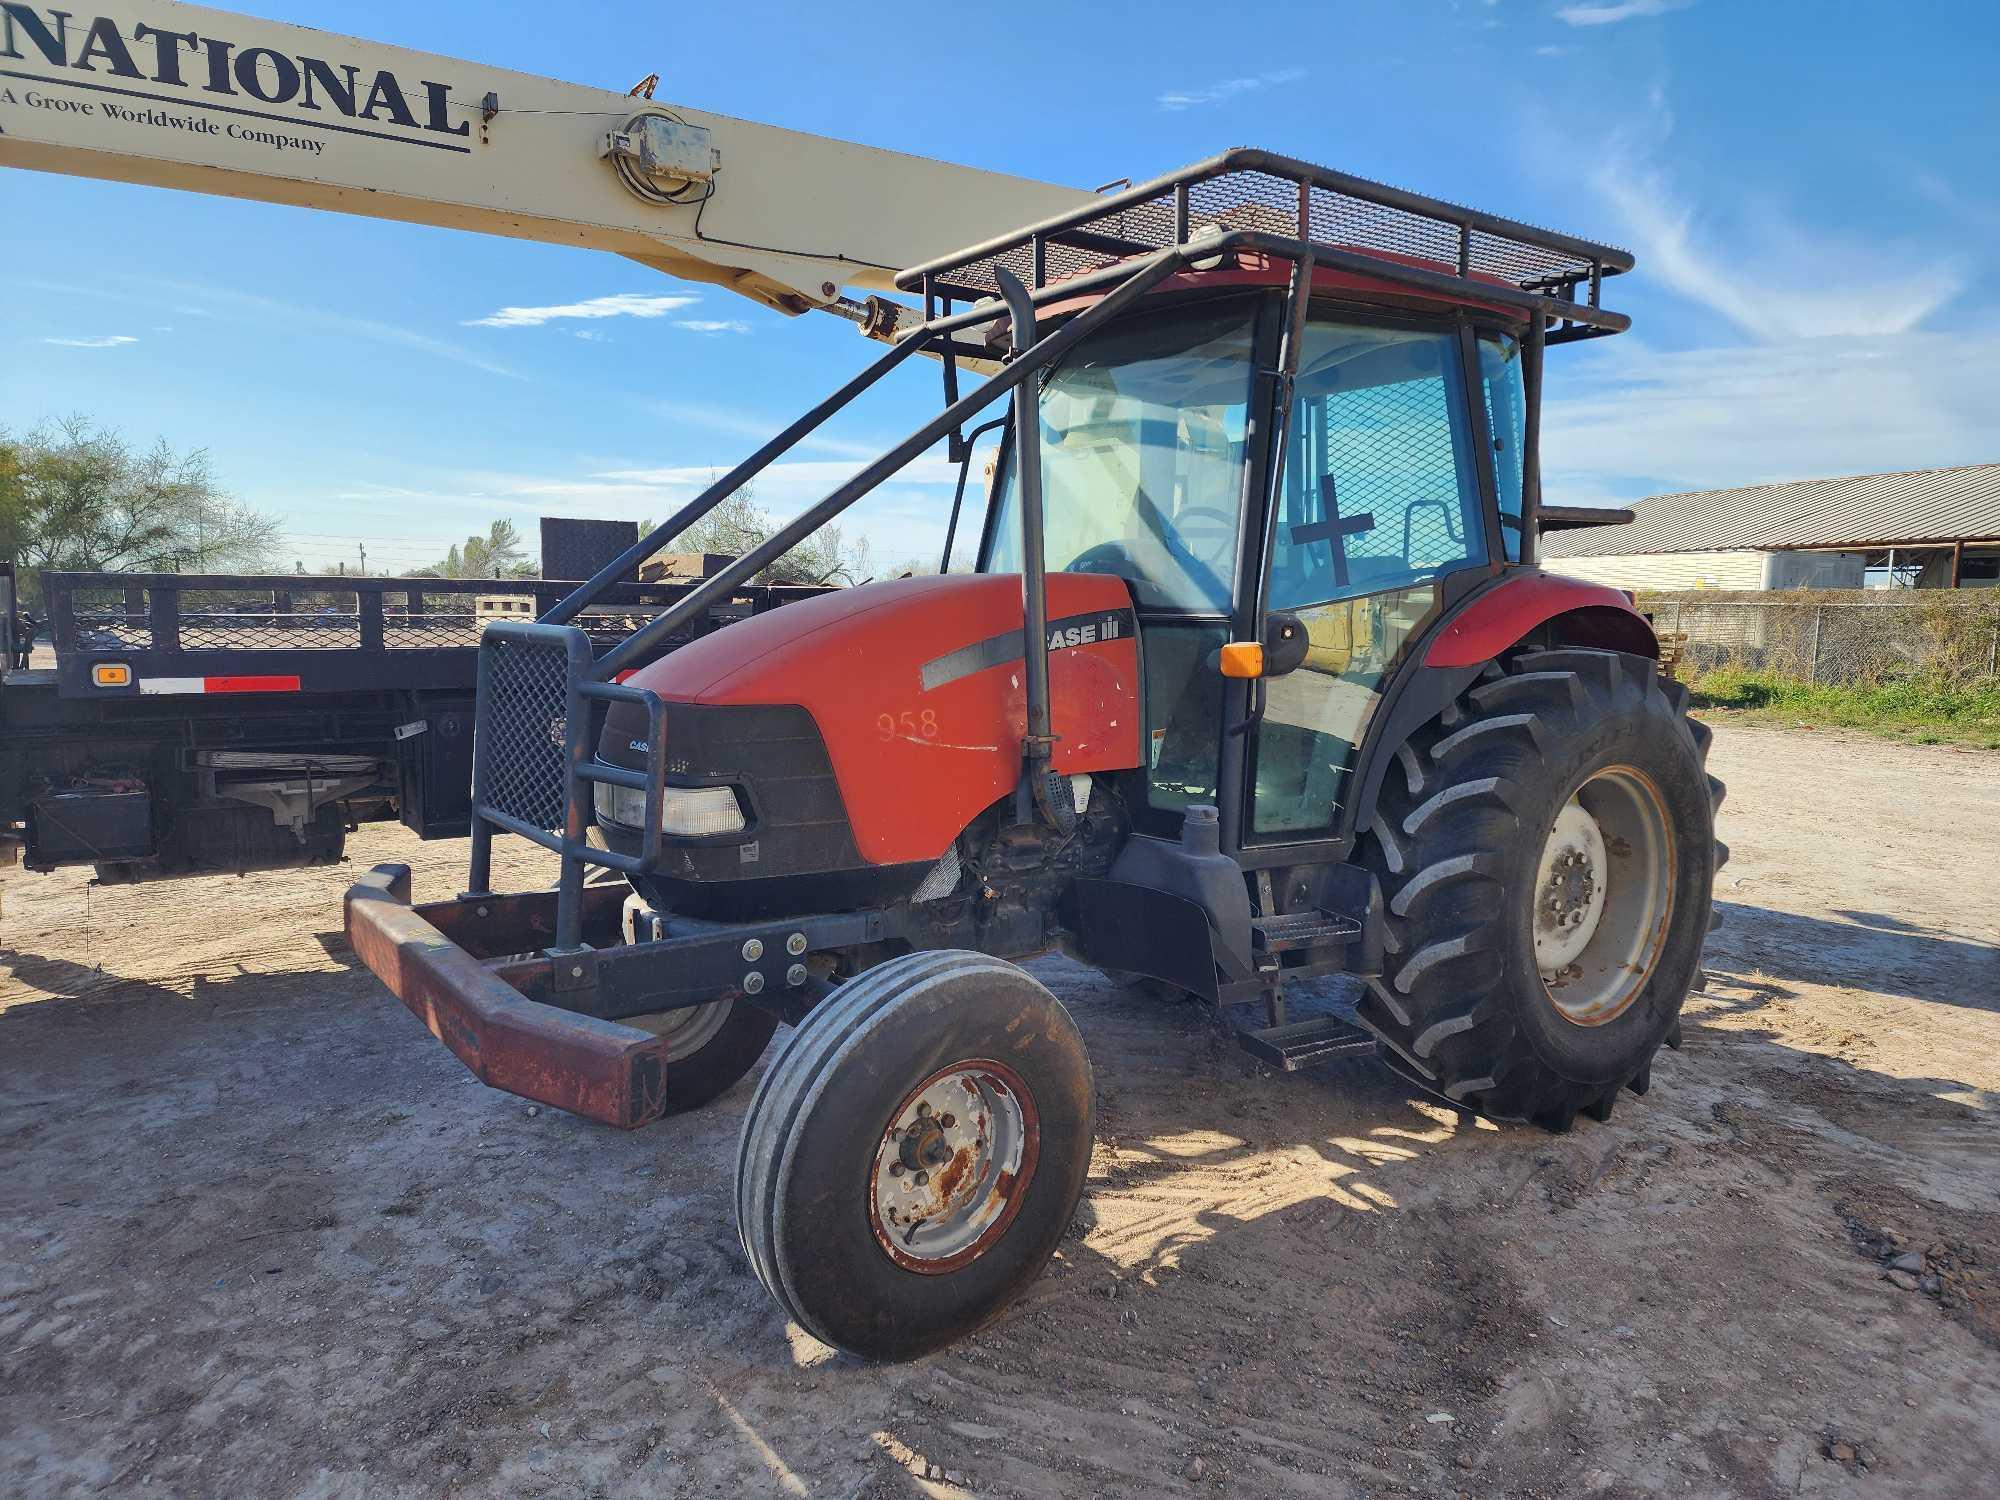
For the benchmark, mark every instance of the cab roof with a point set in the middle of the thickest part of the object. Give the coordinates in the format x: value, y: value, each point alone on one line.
x: 1253, y: 204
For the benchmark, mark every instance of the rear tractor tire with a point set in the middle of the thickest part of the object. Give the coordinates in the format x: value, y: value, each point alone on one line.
x: 915, y: 1152
x: 1547, y: 855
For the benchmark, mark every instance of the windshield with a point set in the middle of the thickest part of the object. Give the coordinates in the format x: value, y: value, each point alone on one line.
x: 1142, y: 458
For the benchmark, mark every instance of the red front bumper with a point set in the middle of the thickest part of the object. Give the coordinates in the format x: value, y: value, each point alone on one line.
x: 598, y: 1069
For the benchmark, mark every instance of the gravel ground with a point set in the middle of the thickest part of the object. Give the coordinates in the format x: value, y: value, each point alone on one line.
x: 260, y: 1235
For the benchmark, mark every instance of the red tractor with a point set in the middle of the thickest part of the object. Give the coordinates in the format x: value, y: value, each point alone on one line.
x: 1256, y: 682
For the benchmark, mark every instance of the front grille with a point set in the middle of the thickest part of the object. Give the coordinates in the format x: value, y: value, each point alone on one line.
x: 523, y: 723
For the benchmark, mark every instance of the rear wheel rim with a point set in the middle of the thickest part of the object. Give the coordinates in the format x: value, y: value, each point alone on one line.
x: 953, y: 1165
x: 1604, y: 896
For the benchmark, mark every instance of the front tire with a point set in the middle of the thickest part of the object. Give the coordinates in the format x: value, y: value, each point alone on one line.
x: 1547, y: 855
x: 709, y: 1047
x: 914, y: 1154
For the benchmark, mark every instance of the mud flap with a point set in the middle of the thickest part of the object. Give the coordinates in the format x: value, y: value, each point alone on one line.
x: 1146, y: 931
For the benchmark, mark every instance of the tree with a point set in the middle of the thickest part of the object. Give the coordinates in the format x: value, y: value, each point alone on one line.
x: 13, y: 501
x: 80, y: 498
x: 738, y: 524
x: 498, y: 554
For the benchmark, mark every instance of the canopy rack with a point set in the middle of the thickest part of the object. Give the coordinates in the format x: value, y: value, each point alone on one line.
x: 1349, y: 223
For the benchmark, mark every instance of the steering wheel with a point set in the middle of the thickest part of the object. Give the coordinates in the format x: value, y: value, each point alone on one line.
x: 1105, y: 557
x: 1211, y: 547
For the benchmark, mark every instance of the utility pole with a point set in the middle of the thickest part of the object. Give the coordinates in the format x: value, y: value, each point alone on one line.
x: 363, y: 547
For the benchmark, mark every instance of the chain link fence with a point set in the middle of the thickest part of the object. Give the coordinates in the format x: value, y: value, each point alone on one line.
x: 1836, y: 637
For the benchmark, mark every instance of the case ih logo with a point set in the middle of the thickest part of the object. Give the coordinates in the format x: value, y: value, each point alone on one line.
x: 216, y: 67
x: 1094, y: 629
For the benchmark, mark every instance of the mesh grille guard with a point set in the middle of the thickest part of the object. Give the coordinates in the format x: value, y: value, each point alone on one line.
x: 1279, y: 201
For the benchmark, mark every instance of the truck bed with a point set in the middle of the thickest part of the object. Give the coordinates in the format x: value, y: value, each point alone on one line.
x: 179, y: 724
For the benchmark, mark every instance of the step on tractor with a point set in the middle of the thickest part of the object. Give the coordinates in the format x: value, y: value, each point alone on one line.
x: 1255, y: 682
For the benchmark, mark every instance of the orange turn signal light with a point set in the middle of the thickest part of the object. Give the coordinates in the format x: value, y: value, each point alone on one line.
x: 111, y: 674
x: 1243, y: 659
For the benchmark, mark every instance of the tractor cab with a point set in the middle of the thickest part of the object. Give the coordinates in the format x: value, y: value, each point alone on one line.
x: 1398, y: 487
x: 1255, y: 683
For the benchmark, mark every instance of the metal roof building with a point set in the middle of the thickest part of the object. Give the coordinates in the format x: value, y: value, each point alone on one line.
x: 1934, y: 528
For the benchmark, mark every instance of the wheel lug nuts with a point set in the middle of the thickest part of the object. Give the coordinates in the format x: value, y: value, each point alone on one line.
x: 895, y: 1169
x: 922, y: 1179
x: 947, y: 1121
x: 923, y: 1107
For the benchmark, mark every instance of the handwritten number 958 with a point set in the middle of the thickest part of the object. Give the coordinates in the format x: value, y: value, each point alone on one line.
x: 907, y: 726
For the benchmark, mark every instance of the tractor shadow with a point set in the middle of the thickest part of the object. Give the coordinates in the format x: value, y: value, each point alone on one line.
x: 1329, y: 1252
x: 67, y: 980
x: 1864, y: 951
x: 67, y: 984
x: 74, y: 1029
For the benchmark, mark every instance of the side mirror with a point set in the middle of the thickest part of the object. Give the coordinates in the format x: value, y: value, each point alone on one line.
x: 1282, y: 650
x: 1285, y: 643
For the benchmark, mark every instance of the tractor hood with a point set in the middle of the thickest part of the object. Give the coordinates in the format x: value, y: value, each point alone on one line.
x: 908, y: 693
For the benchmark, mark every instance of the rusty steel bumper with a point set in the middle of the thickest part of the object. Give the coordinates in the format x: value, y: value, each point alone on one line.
x: 598, y: 1069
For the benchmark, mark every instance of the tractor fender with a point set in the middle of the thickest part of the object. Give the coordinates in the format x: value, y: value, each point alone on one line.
x: 1494, y: 618
x: 1587, y: 614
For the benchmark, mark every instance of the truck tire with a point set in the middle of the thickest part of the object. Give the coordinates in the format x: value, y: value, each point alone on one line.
x: 709, y: 1047
x: 914, y: 1154
x: 1547, y: 854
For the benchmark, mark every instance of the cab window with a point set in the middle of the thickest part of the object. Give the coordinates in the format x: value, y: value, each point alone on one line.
x: 1507, y: 420
x: 1381, y: 484
x: 1381, y: 498
x: 1142, y: 442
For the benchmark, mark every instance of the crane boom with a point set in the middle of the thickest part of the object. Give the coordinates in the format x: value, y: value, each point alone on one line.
x: 179, y: 96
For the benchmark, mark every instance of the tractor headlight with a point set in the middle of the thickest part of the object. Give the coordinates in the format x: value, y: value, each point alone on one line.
x: 685, y: 811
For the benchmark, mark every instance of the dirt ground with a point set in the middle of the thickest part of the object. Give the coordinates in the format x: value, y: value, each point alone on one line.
x: 260, y: 1235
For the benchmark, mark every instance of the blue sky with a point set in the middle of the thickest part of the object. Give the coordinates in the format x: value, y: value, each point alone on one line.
x: 1811, y: 190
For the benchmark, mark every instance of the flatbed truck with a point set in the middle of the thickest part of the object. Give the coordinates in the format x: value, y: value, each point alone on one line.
x: 173, y: 724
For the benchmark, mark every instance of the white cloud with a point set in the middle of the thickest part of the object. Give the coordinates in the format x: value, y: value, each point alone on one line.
x: 1617, y: 10
x: 1776, y: 280
x: 783, y: 488
x: 755, y: 431
x: 712, y: 325
x: 620, y: 305
x: 1827, y: 365
x: 1227, y: 88
x: 108, y: 341
x: 1745, y: 258
x: 268, y: 313
x: 1554, y: 51
x: 1624, y: 419
x: 1973, y: 211
x: 903, y: 519
x: 783, y: 484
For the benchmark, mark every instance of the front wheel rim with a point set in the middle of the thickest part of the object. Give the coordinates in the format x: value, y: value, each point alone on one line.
x: 953, y: 1165
x: 1604, y: 896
